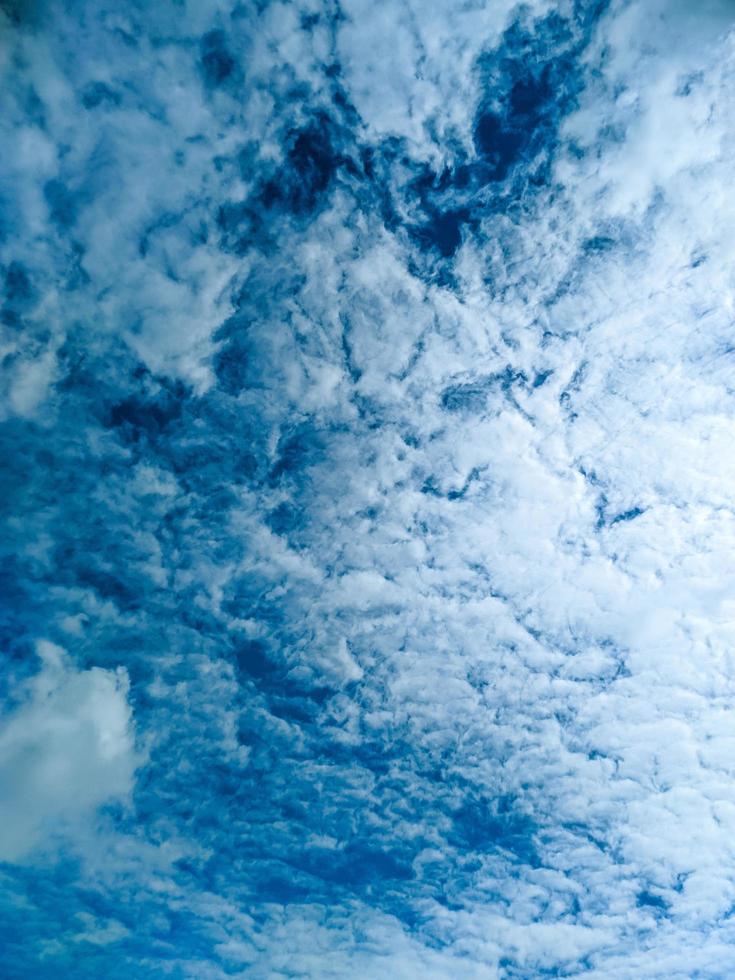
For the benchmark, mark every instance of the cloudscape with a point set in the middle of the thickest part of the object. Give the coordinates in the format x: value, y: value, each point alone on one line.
x: 367, y: 472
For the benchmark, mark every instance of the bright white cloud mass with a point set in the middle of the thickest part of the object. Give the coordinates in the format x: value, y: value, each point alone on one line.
x: 367, y: 413
x: 63, y: 751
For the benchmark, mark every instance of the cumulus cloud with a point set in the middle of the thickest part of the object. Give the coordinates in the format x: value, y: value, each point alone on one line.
x: 66, y: 747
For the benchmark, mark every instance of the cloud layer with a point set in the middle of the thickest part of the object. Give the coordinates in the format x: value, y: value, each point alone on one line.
x: 366, y: 413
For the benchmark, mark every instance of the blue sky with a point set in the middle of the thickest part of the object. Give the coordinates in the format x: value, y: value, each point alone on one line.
x: 367, y: 408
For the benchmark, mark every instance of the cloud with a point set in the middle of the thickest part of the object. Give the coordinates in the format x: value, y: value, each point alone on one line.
x: 366, y: 420
x: 66, y: 748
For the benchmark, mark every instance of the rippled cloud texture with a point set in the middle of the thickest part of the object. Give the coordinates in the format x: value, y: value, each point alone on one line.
x: 367, y: 419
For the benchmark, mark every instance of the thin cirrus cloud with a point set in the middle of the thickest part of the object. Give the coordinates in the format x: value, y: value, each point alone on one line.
x: 366, y: 418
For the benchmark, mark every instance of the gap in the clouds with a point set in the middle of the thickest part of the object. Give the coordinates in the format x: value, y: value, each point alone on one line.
x: 484, y: 825
x: 471, y: 397
x: 20, y: 609
x: 657, y: 904
x: 296, y: 451
x: 137, y: 418
x: 309, y: 169
x: 530, y: 83
x: 62, y: 203
x: 20, y: 295
x: 216, y: 62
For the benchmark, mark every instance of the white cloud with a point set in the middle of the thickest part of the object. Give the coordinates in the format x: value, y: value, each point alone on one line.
x: 65, y: 749
x: 99, y: 932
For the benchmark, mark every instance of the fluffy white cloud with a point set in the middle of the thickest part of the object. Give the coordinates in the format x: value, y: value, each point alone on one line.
x: 65, y: 748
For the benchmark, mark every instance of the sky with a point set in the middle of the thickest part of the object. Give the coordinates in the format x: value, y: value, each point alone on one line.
x: 367, y: 411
